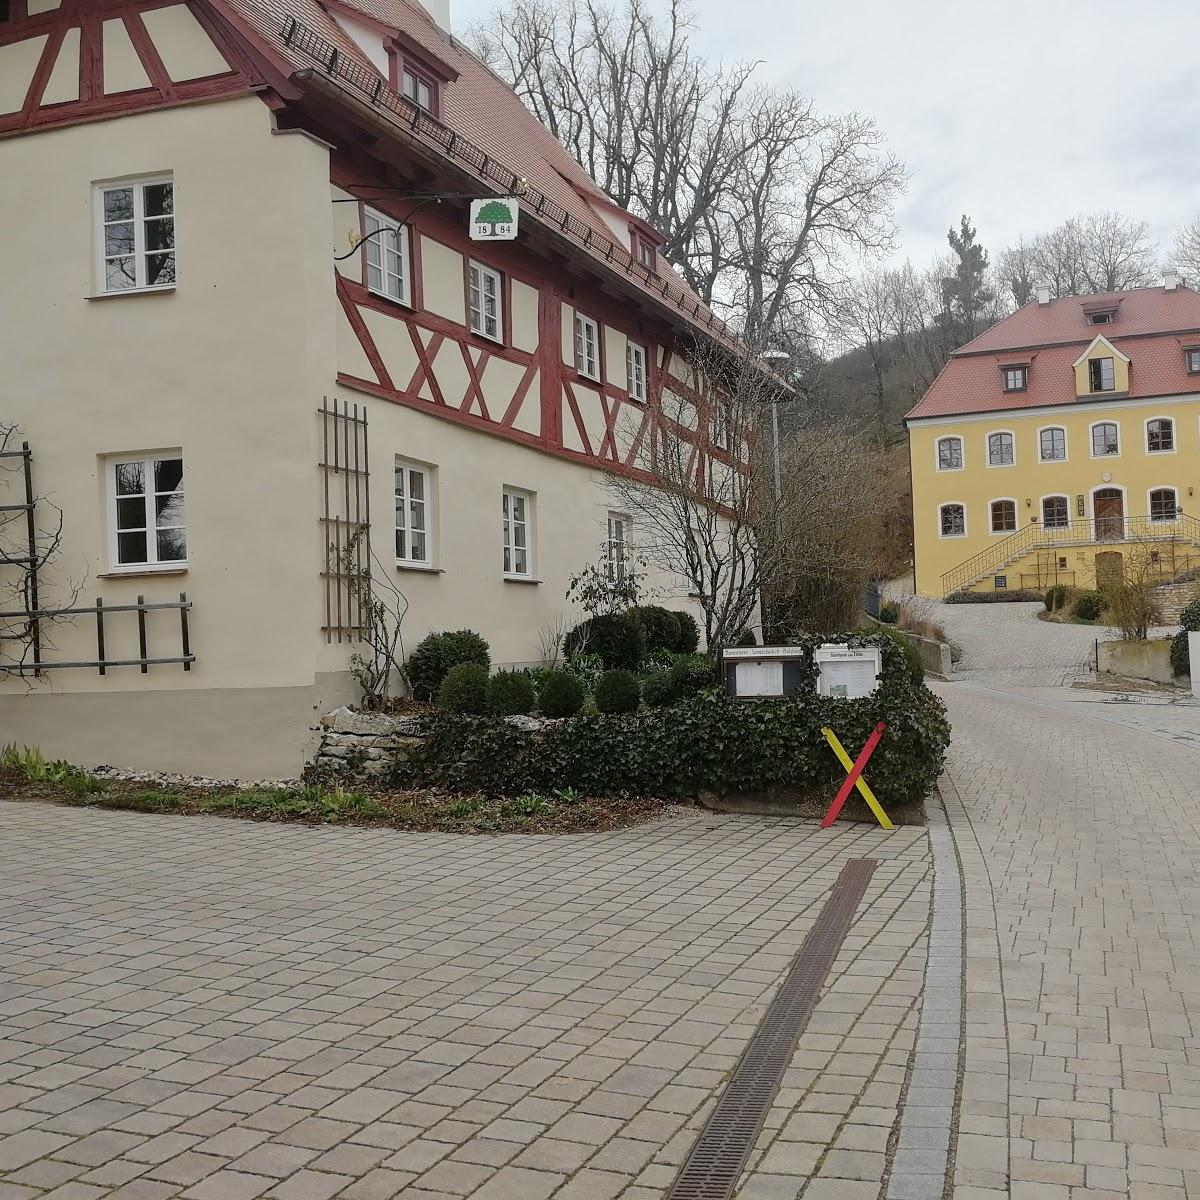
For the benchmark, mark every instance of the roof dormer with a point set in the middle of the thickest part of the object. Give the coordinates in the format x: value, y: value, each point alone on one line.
x: 1102, y: 310
x: 1101, y: 370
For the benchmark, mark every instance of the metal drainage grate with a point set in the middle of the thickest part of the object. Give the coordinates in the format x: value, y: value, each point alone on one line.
x: 712, y: 1169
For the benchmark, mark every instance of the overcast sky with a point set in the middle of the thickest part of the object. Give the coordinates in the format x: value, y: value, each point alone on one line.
x: 1019, y: 114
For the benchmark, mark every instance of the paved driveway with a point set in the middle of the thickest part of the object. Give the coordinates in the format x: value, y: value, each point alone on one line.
x: 222, y: 1010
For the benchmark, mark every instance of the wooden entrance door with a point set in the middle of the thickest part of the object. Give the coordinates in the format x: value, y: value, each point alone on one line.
x: 1108, y: 508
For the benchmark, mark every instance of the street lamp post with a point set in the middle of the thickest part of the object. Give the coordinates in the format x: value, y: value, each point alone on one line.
x: 776, y: 356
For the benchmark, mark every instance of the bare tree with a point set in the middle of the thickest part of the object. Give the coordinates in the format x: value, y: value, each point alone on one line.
x: 1093, y: 252
x: 384, y: 606
x: 759, y: 195
x: 1018, y: 270
x: 31, y: 532
x: 711, y: 509
x: 1187, y: 252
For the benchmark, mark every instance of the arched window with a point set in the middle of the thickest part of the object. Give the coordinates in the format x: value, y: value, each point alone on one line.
x: 1164, y: 504
x: 1000, y: 450
x: 1160, y: 435
x: 1052, y: 444
x: 1056, y: 512
x: 952, y: 520
x: 1004, y: 516
x: 1105, y: 439
x: 950, y: 454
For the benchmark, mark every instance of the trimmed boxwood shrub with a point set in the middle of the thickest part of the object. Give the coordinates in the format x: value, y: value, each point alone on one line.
x: 435, y: 654
x: 616, y: 638
x: 562, y: 695
x: 1189, y: 619
x: 889, y: 612
x: 1189, y: 616
x: 1055, y: 597
x: 692, y: 673
x: 510, y: 693
x: 1017, y: 596
x: 658, y: 689
x: 689, y: 633
x: 704, y: 743
x: 465, y: 689
x: 1088, y: 606
x: 746, y: 638
x: 660, y: 628
x: 617, y: 692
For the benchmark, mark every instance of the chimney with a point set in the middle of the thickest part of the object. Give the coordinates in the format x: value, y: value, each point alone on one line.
x: 1170, y: 279
x: 1043, y: 293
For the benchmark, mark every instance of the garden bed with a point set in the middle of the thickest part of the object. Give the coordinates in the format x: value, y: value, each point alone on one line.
x: 416, y: 810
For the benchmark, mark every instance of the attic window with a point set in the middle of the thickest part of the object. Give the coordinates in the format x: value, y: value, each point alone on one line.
x: 1101, y: 377
x: 1100, y: 318
x: 4, y: 13
x: 1016, y: 379
x: 419, y: 89
x: 1192, y: 356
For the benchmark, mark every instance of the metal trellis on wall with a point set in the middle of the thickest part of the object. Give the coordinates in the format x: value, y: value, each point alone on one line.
x: 345, y: 520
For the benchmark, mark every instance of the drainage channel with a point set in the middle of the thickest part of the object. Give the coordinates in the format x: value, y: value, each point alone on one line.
x: 717, y: 1159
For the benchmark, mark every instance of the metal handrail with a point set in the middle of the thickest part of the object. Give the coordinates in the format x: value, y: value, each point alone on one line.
x: 371, y: 90
x: 1084, y: 531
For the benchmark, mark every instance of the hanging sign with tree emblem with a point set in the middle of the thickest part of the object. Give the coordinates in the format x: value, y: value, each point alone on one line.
x: 494, y: 220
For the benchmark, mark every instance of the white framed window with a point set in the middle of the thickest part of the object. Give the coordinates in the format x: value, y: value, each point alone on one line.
x: 418, y: 89
x: 385, y: 253
x: 722, y: 424
x: 1003, y: 516
x: 635, y: 371
x: 1160, y: 436
x: 617, y: 546
x: 1101, y: 375
x: 485, y: 303
x: 1052, y: 444
x: 414, y: 514
x: 1106, y: 439
x: 1002, y: 451
x: 1016, y: 379
x: 587, y: 346
x: 147, y: 525
x: 517, y: 510
x: 949, y: 454
x: 952, y: 520
x: 1056, y: 512
x: 135, y: 235
x: 1192, y: 357
x: 1164, y: 504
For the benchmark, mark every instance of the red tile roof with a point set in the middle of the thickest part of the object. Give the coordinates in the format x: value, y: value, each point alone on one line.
x: 1152, y: 326
x: 484, y: 110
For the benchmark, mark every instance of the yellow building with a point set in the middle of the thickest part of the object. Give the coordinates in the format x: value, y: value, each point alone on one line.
x: 1059, y: 443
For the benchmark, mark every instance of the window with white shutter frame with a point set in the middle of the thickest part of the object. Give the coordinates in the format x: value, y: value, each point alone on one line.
x: 517, y: 511
x: 414, y: 514
x: 385, y: 254
x: 147, y: 525
x: 587, y: 346
x: 135, y: 235
x: 485, y: 303
x: 635, y: 370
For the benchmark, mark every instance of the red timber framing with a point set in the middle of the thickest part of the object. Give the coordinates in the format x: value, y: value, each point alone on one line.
x: 562, y: 392
x: 252, y: 68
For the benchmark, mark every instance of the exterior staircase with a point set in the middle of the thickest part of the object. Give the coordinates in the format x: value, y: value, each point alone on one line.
x: 1178, y: 542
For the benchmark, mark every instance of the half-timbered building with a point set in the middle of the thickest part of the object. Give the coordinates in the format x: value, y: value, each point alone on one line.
x: 250, y: 348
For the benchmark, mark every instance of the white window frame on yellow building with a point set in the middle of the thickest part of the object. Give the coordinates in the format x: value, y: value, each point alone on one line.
x: 962, y: 452
x: 987, y: 447
x: 1092, y: 439
x: 1174, y: 434
x: 1066, y: 444
x: 1161, y: 487
x: 952, y: 504
x: 1055, y: 496
x: 991, y: 519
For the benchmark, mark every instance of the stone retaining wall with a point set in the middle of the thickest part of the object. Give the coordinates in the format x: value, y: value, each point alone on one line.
x: 357, y: 745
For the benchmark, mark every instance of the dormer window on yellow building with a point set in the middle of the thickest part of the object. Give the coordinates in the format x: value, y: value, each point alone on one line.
x: 1101, y: 375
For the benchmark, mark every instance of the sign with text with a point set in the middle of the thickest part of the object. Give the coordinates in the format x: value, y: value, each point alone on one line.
x: 760, y: 671
x: 494, y: 220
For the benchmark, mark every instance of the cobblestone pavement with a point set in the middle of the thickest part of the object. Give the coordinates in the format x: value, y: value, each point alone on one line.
x: 223, y: 1010
x: 1083, y: 903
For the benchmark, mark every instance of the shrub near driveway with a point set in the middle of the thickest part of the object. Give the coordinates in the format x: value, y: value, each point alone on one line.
x: 706, y: 743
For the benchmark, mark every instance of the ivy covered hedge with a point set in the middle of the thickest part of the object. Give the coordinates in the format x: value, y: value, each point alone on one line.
x: 703, y: 743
